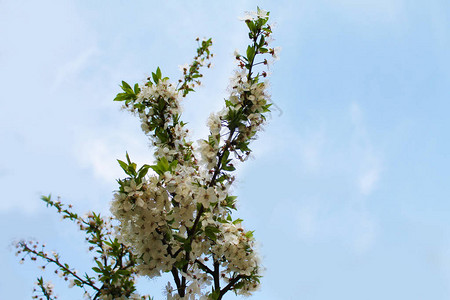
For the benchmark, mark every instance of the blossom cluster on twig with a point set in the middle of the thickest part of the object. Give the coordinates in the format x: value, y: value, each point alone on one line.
x: 178, y: 218
x: 175, y: 216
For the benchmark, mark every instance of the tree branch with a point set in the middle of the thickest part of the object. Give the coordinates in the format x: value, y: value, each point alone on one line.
x: 204, y: 267
x: 229, y: 285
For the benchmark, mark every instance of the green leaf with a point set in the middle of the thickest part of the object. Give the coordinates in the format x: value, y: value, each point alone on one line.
x: 187, y: 247
x: 230, y: 200
x: 173, y: 165
x: 225, y: 156
x: 155, y: 78
x: 161, y: 134
x: 137, y: 89
x: 251, y: 26
x: 250, y: 53
x: 228, y: 103
x: 249, y: 234
x: 261, y: 41
x: 132, y: 169
x: 164, y: 164
x: 211, y: 232
x: 143, y: 171
x: 128, y: 158
x: 179, y: 238
x: 157, y: 169
x: 123, y: 165
x: 77, y: 282
x: 229, y: 168
x: 266, y: 107
x: 243, y: 146
x: 126, y: 87
x: 158, y: 73
x: 121, y: 97
x: 123, y: 272
x: 237, y: 221
x: 238, y: 286
x: 100, y: 265
x: 215, y: 294
x: 181, y: 263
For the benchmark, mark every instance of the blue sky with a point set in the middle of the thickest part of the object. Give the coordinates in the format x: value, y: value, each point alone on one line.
x: 348, y: 186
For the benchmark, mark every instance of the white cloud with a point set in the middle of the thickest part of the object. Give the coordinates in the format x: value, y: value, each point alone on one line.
x: 317, y: 219
x: 306, y: 146
x: 311, y: 147
x: 369, y: 162
x: 73, y: 67
x: 98, y: 155
x: 335, y: 152
x: 367, y: 180
x: 99, y: 152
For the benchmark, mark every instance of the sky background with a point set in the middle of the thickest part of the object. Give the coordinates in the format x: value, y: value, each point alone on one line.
x: 348, y: 189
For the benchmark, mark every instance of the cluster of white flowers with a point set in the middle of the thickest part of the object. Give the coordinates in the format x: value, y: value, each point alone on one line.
x: 142, y: 210
x: 178, y: 220
x: 243, y: 90
x: 235, y: 245
x: 208, y: 153
x: 156, y: 215
x: 255, y: 15
x: 163, y: 89
x: 254, y: 98
x: 158, y: 105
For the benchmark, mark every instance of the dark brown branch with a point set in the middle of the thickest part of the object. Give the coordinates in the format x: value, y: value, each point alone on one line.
x: 176, y: 278
x: 204, y: 267
x: 229, y: 286
x: 216, y: 275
